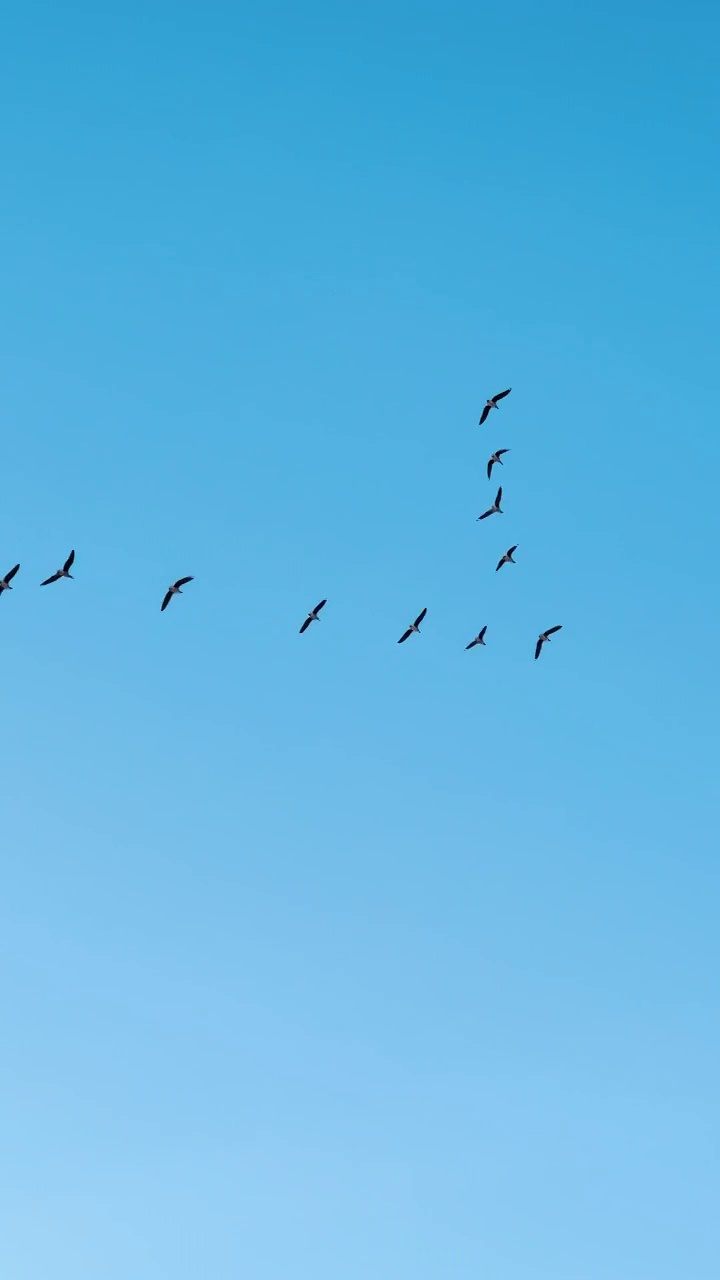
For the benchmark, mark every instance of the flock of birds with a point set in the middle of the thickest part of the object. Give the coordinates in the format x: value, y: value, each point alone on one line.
x: 414, y: 629
x: 175, y: 588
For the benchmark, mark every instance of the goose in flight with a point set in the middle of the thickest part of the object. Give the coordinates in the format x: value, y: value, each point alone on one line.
x: 61, y: 573
x: 543, y: 638
x: 174, y: 590
x: 5, y: 582
x: 479, y: 639
x: 492, y: 403
x: 313, y: 616
x: 507, y: 558
x: 496, y: 457
x: 495, y: 509
x: 415, y: 627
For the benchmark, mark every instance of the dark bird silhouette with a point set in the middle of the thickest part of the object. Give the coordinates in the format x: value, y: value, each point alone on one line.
x: 61, y: 573
x: 5, y: 582
x: 415, y: 627
x: 543, y: 639
x: 479, y: 639
x: 492, y: 403
x: 507, y: 558
x: 495, y: 509
x: 496, y: 457
x: 174, y: 590
x: 313, y: 616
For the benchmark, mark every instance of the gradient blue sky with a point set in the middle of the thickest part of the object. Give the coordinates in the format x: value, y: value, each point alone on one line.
x: 319, y: 957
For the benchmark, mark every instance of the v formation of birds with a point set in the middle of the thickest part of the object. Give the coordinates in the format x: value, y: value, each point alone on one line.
x: 495, y: 459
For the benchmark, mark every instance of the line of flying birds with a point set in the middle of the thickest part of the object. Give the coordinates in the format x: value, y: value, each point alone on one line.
x: 495, y: 509
x: 175, y: 588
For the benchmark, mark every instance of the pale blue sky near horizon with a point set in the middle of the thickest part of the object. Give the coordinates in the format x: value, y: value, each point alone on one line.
x: 321, y: 957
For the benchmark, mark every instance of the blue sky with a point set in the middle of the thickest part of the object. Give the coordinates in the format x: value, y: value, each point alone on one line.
x: 322, y: 957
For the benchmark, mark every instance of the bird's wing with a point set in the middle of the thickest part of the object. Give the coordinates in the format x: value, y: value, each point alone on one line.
x: 419, y: 618
x: 490, y: 467
x: 319, y: 606
x: 471, y: 645
x: 538, y: 647
x: 551, y: 630
x: 485, y: 515
x: 502, y: 394
x: 305, y: 625
x: 181, y: 582
x: 512, y: 550
x: 500, y: 564
x: 484, y: 414
x: 166, y: 601
x: 69, y: 562
x: 498, y: 497
x: 501, y: 451
x: 482, y: 634
x: 54, y: 578
x: 9, y: 576
x: 405, y: 635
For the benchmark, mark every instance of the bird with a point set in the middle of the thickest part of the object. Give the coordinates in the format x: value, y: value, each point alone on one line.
x: 495, y: 509
x: 479, y: 639
x: 61, y: 573
x: 415, y: 627
x: 5, y: 582
x: 507, y: 558
x: 313, y: 616
x: 174, y: 590
x: 492, y: 403
x: 543, y: 637
x: 496, y: 457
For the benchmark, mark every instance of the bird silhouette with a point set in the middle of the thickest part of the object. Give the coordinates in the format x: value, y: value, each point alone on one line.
x: 313, y: 616
x: 174, y: 590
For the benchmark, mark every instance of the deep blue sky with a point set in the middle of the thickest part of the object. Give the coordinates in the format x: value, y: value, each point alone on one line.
x: 321, y: 957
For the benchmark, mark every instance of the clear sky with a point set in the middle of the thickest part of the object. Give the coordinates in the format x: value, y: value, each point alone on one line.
x: 319, y: 957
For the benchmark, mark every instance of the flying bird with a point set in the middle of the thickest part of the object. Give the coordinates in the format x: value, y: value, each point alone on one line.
x: 543, y: 638
x: 5, y: 582
x: 507, y: 558
x: 174, y: 590
x: 495, y: 509
x: 415, y: 627
x: 61, y: 573
x: 313, y: 616
x: 479, y: 639
x: 496, y: 457
x: 492, y: 403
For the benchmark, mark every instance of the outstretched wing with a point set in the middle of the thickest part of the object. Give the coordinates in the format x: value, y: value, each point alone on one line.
x: 419, y: 618
x: 539, y: 646
x: 69, y: 562
x: 485, y: 514
x: 500, y: 563
x: 498, y: 497
x: 9, y: 576
x: 305, y: 624
x: 490, y: 466
x: 482, y: 634
x: 181, y: 582
x: 512, y: 550
x: 502, y: 394
x: 551, y: 630
x: 471, y: 645
x: 500, y: 452
x: 54, y: 578
x: 319, y: 606
x: 484, y: 414
x: 166, y: 601
x: 405, y: 635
